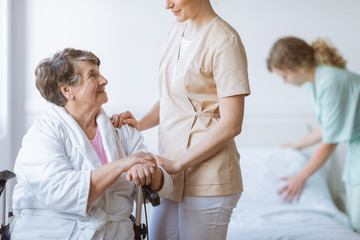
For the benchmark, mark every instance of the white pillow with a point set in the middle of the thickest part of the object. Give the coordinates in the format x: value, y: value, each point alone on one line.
x: 262, y: 169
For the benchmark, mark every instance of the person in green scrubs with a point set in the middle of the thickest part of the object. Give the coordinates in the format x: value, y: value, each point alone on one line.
x: 335, y: 92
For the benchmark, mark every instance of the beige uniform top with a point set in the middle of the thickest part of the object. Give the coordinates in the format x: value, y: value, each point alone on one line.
x: 213, y: 66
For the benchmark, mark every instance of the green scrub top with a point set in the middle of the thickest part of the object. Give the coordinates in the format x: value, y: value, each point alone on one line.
x: 336, y: 99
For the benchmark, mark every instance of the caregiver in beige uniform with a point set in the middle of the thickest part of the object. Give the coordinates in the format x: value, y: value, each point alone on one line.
x: 203, y: 82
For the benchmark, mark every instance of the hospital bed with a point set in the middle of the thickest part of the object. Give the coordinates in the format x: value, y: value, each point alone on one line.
x: 262, y: 214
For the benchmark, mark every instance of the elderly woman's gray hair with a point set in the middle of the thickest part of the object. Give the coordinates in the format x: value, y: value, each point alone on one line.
x: 61, y: 69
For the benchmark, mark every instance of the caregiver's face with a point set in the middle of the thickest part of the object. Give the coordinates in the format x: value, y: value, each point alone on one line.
x: 293, y: 77
x: 183, y: 9
x: 91, y: 91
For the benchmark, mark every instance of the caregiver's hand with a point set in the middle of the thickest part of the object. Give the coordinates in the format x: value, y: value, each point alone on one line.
x: 290, y: 145
x: 170, y: 166
x: 125, y: 118
x: 293, y: 187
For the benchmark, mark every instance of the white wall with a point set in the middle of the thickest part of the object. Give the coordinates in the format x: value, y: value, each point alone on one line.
x: 12, y: 96
x: 128, y: 37
x: 5, y: 137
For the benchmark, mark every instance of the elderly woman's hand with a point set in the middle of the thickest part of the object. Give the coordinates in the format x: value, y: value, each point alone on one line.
x: 126, y: 117
x: 144, y: 158
x: 143, y: 174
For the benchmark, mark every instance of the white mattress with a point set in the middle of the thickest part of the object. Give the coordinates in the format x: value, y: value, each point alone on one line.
x: 261, y: 212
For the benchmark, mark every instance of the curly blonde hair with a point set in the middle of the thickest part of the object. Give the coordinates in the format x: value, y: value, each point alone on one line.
x: 326, y: 53
x: 291, y: 53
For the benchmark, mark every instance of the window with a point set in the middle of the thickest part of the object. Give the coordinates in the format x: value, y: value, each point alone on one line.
x: 4, y: 65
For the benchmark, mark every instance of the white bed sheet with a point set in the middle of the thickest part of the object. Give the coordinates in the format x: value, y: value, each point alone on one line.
x: 261, y: 213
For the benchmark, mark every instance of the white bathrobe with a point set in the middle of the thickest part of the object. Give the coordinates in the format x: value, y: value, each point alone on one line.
x: 53, y: 181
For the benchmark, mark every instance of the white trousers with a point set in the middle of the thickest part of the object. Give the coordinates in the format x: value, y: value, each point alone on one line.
x: 200, y: 218
x: 353, y: 205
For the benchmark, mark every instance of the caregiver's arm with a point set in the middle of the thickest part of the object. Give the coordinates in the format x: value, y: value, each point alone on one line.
x: 229, y: 126
x: 105, y: 176
x: 296, y: 182
x: 313, y: 137
x: 151, y: 119
x: 320, y: 156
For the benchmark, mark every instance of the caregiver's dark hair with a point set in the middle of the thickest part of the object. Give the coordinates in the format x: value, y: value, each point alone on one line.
x: 61, y: 69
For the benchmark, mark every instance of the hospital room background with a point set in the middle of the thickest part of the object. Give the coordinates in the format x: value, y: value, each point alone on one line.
x: 128, y: 37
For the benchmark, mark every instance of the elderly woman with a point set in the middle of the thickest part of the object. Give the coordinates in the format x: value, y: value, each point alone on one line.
x: 74, y: 169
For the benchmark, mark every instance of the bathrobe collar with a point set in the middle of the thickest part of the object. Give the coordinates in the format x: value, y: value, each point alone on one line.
x: 81, y: 141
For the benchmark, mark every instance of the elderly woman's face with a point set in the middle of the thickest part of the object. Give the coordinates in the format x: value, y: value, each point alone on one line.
x: 91, y: 90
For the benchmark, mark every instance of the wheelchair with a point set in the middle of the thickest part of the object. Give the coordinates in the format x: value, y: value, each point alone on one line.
x: 144, y: 194
x: 5, y: 226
